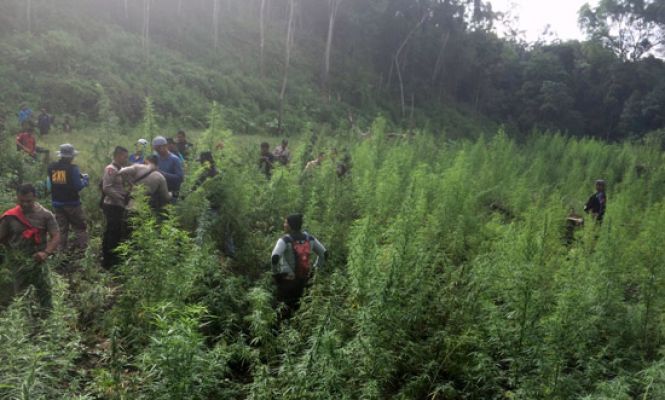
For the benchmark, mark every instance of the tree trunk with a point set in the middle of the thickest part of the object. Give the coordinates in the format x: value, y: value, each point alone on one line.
x: 287, y: 63
x: 146, y: 27
x: 262, y: 30
x: 215, y: 22
x: 28, y: 14
x: 439, y: 59
x: 396, y: 61
x: 334, y: 7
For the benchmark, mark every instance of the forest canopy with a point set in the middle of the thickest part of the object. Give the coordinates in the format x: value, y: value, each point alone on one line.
x: 417, y: 62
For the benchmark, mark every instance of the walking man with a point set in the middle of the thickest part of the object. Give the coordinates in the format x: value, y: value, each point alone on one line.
x: 291, y: 262
x: 114, y: 202
x: 65, y: 181
x: 27, y: 230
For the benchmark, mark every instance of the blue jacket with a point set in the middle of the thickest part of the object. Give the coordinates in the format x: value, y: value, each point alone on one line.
x: 136, y: 159
x: 24, y: 115
x: 171, y: 168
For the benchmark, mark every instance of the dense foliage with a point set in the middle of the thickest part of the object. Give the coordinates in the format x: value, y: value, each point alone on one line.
x: 449, y: 278
x: 419, y: 62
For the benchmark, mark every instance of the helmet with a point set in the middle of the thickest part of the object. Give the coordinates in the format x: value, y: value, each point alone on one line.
x: 142, y: 142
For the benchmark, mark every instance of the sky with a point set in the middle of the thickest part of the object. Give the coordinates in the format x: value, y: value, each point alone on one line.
x: 535, y: 15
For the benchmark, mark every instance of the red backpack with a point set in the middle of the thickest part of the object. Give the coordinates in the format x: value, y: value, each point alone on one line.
x: 302, y: 249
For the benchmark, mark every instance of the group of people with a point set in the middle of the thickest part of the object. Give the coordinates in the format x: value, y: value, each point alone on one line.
x: 282, y: 155
x: 32, y: 229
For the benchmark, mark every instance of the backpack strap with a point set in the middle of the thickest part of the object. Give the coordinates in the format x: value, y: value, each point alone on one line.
x: 30, y: 232
x: 142, y: 177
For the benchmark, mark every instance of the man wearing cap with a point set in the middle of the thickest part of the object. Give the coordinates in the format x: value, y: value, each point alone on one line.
x: 139, y: 154
x: 27, y: 230
x: 65, y: 181
x: 597, y: 203
x: 169, y: 165
x: 114, y: 202
x: 291, y: 262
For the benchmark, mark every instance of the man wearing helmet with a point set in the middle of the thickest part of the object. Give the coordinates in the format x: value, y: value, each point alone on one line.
x: 139, y: 154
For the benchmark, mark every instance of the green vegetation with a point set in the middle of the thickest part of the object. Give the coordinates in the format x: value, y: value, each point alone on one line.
x: 431, y: 291
x: 450, y: 276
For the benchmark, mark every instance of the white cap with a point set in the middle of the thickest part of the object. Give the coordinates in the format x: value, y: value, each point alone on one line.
x: 159, y: 141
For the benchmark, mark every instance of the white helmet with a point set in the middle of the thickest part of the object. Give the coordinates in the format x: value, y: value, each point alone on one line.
x: 142, y: 142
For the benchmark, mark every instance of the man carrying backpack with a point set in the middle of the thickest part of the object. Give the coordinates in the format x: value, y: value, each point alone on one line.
x: 291, y: 262
x: 597, y: 202
x: 65, y: 182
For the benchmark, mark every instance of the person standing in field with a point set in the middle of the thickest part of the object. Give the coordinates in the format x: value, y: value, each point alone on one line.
x: 147, y: 176
x: 44, y: 122
x: 184, y: 147
x: 292, y: 264
x: 169, y: 166
x: 24, y: 114
x: 27, y: 142
x: 315, y: 163
x: 27, y: 230
x: 282, y: 153
x: 597, y: 203
x: 65, y: 181
x: 266, y: 160
x: 114, y: 202
x: 173, y: 148
x: 139, y: 153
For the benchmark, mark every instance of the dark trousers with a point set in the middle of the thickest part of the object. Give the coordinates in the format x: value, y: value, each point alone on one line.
x: 289, y: 292
x: 72, y: 216
x: 114, y: 234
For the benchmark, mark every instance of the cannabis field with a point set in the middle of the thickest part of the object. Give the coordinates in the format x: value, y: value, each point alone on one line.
x: 449, y: 278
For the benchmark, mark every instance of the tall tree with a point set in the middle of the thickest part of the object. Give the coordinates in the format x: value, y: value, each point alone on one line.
x: 146, y: 27
x: 287, y: 62
x: 262, y: 32
x: 333, y: 6
x: 215, y: 22
x: 630, y: 28
x: 398, y: 55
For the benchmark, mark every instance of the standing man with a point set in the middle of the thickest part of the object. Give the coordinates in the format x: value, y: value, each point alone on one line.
x: 597, y: 203
x: 169, y: 165
x: 291, y: 262
x: 65, y: 181
x: 147, y: 175
x: 173, y: 148
x: 114, y: 203
x: 24, y: 114
x: 184, y: 146
x: 139, y: 153
x: 266, y: 160
x: 26, y: 142
x: 282, y: 153
x: 44, y: 122
x: 28, y: 230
